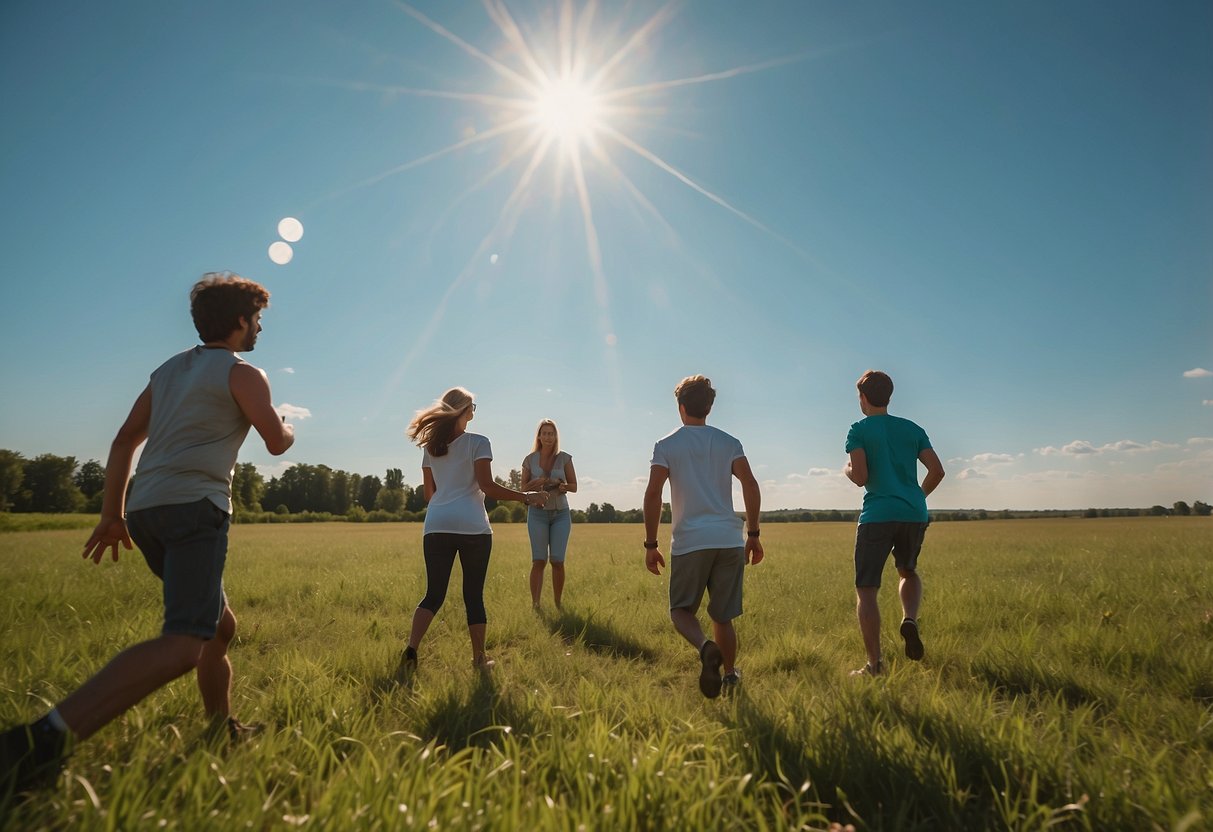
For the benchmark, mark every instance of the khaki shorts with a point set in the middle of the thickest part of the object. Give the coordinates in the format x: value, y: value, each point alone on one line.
x: 719, y: 571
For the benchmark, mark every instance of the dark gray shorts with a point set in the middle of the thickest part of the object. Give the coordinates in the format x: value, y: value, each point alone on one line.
x: 874, y: 541
x: 186, y: 547
x: 719, y: 571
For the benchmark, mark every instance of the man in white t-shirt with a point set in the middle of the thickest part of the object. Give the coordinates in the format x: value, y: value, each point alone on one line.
x: 707, y: 550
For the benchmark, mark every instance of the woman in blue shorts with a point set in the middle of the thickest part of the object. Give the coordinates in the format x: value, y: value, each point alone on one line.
x: 549, y: 469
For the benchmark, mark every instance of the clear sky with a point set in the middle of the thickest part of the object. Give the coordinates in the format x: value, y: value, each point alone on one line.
x: 1008, y: 206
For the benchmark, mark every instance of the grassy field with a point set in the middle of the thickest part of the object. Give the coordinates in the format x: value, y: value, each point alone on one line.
x: 1068, y: 683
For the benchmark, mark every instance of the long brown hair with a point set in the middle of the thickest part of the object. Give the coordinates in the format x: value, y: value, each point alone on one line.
x: 432, y: 428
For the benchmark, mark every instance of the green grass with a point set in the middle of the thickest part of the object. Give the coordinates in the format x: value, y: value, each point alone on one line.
x: 1068, y: 683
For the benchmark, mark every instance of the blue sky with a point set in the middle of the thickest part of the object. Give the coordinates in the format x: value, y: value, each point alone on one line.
x: 1006, y: 206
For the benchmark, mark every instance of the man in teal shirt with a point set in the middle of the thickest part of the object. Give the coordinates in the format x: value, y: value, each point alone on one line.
x: 884, y: 455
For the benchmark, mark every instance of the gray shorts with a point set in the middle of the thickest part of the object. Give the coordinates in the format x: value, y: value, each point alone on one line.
x: 874, y: 541
x: 719, y: 571
x: 186, y: 547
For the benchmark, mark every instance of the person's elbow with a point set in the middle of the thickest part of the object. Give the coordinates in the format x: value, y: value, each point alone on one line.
x: 280, y: 444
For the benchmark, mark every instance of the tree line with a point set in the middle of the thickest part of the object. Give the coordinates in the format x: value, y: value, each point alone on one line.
x: 59, y: 485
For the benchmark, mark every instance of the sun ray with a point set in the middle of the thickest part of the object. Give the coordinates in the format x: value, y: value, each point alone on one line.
x: 659, y: 19
x: 498, y: 67
x: 510, y: 102
x: 657, y: 86
x: 492, y: 132
x: 647, y: 154
x: 500, y: 15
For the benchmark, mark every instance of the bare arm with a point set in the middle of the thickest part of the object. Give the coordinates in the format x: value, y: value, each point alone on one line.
x: 658, y: 474
x: 857, y: 467
x: 494, y: 489
x: 251, y: 390
x: 752, y: 497
x: 934, y: 470
x: 569, y: 486
x: 527, y: 483
x: 111, y: 529
x: 428, y: 484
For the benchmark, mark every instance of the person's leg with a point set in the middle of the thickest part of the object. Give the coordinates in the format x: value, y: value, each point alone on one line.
x: 439, y: 553
x: 910, y: 590
x: 724, y: 583
x: 129, y: 677
x: 867, y: 610
x: 538, y: 530
x: 725, y: 636
x: 873, y: 542
x: 688, y: 580
x: 561, y: 527
x: 474, y: 552
x: 215, y: 668
x: 687, y: 624
x: 557, y: 582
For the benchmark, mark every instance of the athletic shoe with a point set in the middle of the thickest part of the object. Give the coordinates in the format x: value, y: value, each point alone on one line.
x: 731, y: 682
x: 408, y: 665
x: 31, y: 756
x: 909, y: 632
x: 709, y: 675
x: 868, y: 670
x: 483, y: 663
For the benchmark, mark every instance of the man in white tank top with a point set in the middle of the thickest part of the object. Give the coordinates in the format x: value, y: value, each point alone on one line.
x: 707, y: 551
x: 194, y: 414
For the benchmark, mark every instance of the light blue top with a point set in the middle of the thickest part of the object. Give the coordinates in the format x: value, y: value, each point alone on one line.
x: 700, y: 461
x: 457, y: 506
x: 556, y: 500
x: 891, y: 445
x: 195, y: 432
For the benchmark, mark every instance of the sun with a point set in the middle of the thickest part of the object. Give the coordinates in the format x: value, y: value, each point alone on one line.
x: 568, y: 110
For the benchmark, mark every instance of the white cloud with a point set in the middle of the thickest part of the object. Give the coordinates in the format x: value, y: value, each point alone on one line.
x: 1201, y: 440
x: 293, y: 412
x: 820, y: 472
x: 1208, y: 402
x: 993, y: 459
x: 1198, y: 372
x: 1078, y: 447
x: 972, y: 474
x: 1081, y: 447
x: 290, y: 370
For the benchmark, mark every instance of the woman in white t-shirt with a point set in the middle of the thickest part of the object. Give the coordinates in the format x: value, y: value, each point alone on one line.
x: 550, y: 469
x: 457, y: 475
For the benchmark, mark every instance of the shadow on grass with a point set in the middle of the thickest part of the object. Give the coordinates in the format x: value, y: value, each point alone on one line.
x: 574, y: 628
x: 1014, y: 677
x: 476, y: 717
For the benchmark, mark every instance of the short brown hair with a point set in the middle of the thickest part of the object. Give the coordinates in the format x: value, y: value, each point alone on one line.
x: 220, y: 299
x: 695, y: 393
x: 876, y: 387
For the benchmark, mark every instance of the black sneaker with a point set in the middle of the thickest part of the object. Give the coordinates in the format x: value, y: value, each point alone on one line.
x: 31, y: 756
x: 730, y: 683
x: 709, y: 676
x: 407, y: 668
x: 909, y: 632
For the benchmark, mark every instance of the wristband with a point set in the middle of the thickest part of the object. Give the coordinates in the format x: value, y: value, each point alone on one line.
x: 752, y: 533
x: 650, y: 544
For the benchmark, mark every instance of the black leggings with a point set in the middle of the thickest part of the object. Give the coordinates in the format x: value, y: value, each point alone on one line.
x: 440, y: 549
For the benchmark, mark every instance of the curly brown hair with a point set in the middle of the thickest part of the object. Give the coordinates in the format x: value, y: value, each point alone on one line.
x: 220, y: 300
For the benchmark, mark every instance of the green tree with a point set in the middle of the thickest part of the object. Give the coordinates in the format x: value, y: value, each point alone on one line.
x: 90, y: 478
x: 12, y: 471
x: 518, y: 513
x: 415, y: 499
x: 47, y: 485
x: 1202, y: 509
x: 248, y: 487
x: 1181, y: 509
x: 394, y: 479
x: 1158, y: 511
x: 501, y: 514
x: 341, y: 492
x: 390, y: 499
x: 368, y: 490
